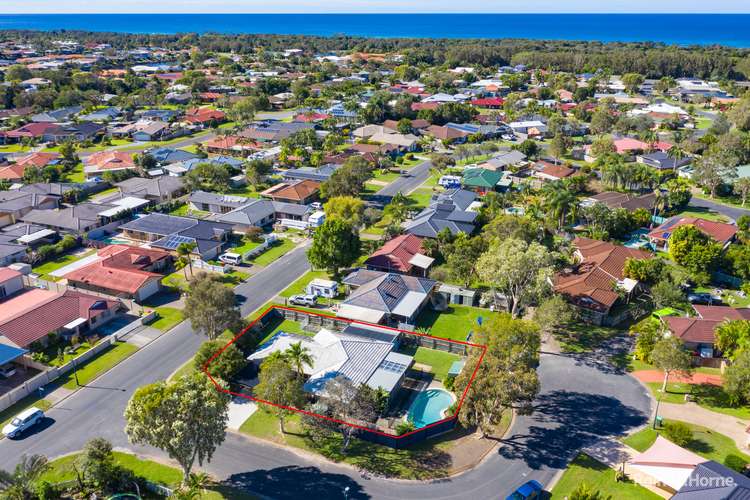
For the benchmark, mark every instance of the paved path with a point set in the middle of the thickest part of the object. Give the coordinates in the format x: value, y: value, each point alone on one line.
x: 719, y: 422
x: 647, y: 376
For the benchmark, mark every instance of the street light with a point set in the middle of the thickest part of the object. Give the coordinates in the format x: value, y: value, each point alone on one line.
x: 75, y: 372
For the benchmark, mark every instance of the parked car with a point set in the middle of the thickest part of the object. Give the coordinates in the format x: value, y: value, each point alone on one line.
x: 7, y: 371
x: 24, y: 420
x: 703, y: 299
x: 303, y: 300
x: 527, y: 491
x: 231, y: 258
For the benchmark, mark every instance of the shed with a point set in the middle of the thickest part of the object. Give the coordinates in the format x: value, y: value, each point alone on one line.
x: 322, y: 288
x: 458, y: 295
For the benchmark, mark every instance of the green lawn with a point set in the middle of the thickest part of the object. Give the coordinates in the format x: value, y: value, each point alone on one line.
x: 76, y: 175
x: 184, y: 210
x: 386, y: 176
x: 706, y: 443
x: 424, y: 461
x: 584, y: 469
x: 440, y: 361
x: 13, y: 148
x: 299, y: 286
x: 708, y: 396
x: 32, y: 400
x: 420, y: 198
x: 454, y: 323
x: 245, y: 246
x: 53, y: 360
x: 168, y: 318
x: 282, y: 247
x: 43, y: 270
x: 62, y: 470
x: 703, y: 213
x: 99, y: 364
x: 583, y: 337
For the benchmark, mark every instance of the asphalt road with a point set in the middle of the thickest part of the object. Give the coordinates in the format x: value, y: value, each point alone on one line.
x: 733, y: 213
x: 97, y: 409
x: 404, y: 184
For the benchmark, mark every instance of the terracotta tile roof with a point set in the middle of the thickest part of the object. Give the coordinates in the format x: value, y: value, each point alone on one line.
x: 298, y: 191
x: 121, y: 269
x: 590, y: 285
x: 12, y: 172
x: 52, y: 313
x: 395, y: 254
x: 692, y: 329
x: 37, y: 159
x: 106, y: 160
x: 721, y: 313
x: 719, y: 231
x: 552, y: 170
x: 202, y: 115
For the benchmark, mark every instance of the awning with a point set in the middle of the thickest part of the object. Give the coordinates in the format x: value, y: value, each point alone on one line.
x: 73, y: 324
x: 421, y: 261
x: 409, y: 304
x: 30, y: 238
x: 9, y: 353
x: 667, y: 463
x: 360, y: 313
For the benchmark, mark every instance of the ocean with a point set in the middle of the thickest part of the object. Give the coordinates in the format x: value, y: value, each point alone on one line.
x: 674, y: 29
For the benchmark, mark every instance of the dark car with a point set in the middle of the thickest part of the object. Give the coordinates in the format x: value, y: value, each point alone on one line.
x: 527, y: 491
x: 703, y: 299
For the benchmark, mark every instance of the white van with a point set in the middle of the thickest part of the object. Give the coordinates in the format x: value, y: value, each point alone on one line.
x: 231, y: 258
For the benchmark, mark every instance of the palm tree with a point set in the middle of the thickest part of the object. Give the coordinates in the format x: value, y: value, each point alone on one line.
x: 184, y: 250
x: 560, y: 203
x: 20, y: 485
x: 299, y: 356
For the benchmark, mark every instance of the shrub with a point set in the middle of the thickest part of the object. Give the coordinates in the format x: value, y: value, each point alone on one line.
x: 678, y: 432
x: 449, y: 382
x: 404, y: 427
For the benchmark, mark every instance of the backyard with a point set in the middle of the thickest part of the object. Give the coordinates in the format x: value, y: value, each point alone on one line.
x: 455, y: 323
x: 51, y: 265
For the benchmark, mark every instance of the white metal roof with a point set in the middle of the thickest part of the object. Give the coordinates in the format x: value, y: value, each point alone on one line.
x: 421, y: 261
x: 360, y: 313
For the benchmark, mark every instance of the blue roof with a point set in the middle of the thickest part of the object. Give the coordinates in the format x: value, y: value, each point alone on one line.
x: 10, y: 353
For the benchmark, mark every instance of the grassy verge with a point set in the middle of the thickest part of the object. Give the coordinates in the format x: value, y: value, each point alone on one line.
x: 708, y: 396
x: 706, y: 443
x: 99, y: 364
x: 274, y: 252
x: 584, y: 469
x: 32, y: 400
x: 62, y: 470
x: 703, y: 213
x: 425, y: 461
x: 299, y: 286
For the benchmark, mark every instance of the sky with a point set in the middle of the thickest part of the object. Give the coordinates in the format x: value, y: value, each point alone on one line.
x: 368, y: 6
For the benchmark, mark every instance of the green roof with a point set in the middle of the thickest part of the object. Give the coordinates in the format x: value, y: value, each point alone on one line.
x: 481, y: 177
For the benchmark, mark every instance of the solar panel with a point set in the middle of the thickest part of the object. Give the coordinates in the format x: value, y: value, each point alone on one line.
x: 392, y: 366
x: 173, y: 241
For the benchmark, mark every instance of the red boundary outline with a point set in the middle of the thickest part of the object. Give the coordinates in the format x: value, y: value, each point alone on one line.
x: 317, y: 415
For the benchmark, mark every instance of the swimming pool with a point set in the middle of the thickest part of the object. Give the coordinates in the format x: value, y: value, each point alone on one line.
x: 429, y: 407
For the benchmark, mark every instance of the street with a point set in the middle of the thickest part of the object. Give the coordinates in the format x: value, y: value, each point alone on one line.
x: 404, y: 184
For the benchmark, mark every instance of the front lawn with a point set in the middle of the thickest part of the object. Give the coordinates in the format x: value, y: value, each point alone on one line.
x: 706, y: 443
x: 424, y: 461
x: 455, y: 323
x: 703, y: 213
x: 420, y: 198
x: 584, y: 469
x: 99, y: 364
x: 583, y: 337
x: 299, y: 286
x: 708, y: 396
x: 62, y: 469
x: 169, y: 317
x: 275, y: 251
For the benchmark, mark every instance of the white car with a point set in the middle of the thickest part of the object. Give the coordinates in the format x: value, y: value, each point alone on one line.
x: 24, y: 420
x: 303, y: 300
x: 231, y: 258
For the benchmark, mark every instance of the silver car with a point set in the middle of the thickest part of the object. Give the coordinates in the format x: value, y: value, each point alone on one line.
x: 24, y: 420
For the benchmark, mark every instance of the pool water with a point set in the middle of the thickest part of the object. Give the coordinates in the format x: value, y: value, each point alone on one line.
x: 428, y: 407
